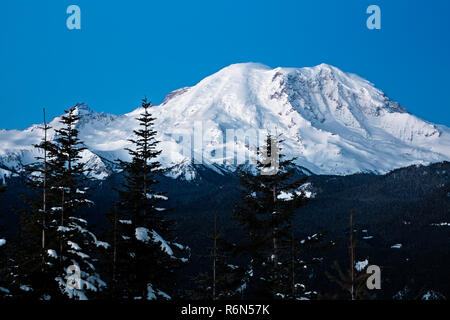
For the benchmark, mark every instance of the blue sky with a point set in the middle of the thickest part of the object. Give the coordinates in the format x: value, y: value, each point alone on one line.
x: 128, y: 49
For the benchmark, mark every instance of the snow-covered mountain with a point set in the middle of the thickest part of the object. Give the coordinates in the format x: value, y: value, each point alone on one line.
x: 333, y: 122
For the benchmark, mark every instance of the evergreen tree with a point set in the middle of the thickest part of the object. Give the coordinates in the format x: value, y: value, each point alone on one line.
x: 5, y: 279
x: 143, y: 260
x: 63, y: 248
x: 268, y: 202
x: 76, y: 246
x: 4, y: 270
x: 9, y: 286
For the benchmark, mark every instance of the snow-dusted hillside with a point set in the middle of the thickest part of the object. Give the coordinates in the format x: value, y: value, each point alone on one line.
x: 333, y: 122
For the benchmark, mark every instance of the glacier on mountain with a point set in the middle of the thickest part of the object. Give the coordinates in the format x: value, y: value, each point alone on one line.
x: 333, y: 123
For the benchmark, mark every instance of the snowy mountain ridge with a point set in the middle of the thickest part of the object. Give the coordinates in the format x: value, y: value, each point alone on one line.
x: 333, y: 122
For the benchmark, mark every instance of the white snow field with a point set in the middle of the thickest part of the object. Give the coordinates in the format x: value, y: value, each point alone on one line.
x: 333, y: 122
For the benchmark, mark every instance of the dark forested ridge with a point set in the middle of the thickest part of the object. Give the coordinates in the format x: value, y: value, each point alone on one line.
x: 408, y: 206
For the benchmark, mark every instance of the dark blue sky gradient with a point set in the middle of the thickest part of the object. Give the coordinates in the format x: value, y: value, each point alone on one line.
x: 129, y: 49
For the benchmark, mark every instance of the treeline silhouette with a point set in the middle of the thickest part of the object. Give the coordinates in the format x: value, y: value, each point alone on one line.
x: 57, y: 249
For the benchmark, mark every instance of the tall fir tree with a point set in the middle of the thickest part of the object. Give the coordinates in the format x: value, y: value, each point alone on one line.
x: 266, y: 212
x: 76, y: 246
x: 63, y: 263
x: 143, y: 257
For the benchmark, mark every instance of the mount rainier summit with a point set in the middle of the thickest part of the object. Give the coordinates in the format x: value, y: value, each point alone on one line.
x: 333, y: 123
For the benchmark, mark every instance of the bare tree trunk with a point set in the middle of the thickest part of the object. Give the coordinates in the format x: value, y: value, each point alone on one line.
x: 214, y: 256
x: 292, y: 260
x: 114, y: 251
x: 352, y: 258
x: 274, y: 230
